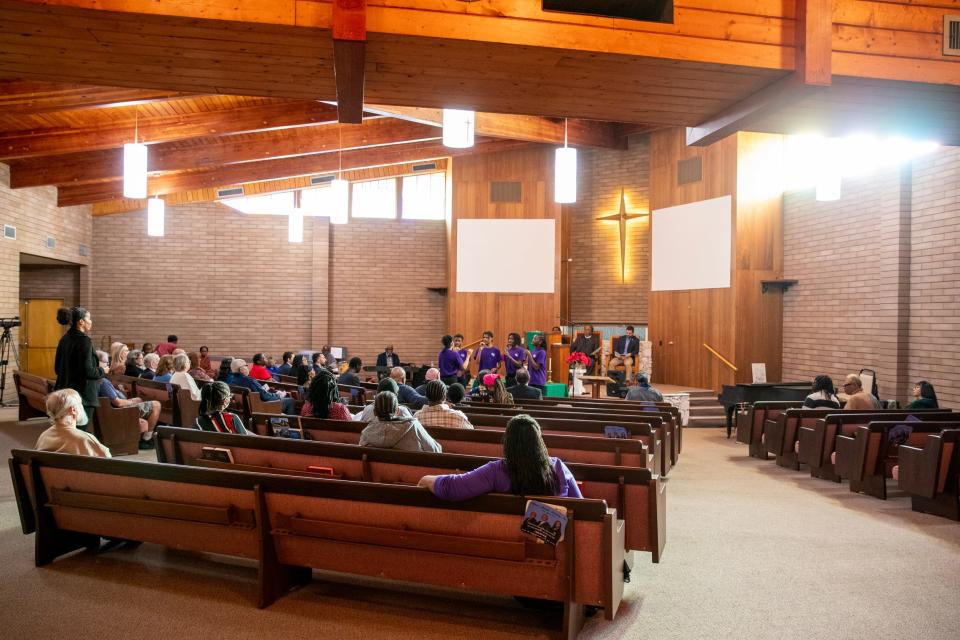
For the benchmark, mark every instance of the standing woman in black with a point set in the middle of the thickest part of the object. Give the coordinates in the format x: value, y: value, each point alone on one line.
x: 76, y: 363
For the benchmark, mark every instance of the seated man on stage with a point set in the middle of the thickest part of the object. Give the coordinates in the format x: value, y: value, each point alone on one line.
x: 387, y: 359
x: 588, y: 342
x: 626, y: 350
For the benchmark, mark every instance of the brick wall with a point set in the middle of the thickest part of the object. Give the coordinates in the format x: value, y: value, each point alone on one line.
x: 233, y: 282
x: 878, y: 273
x: 39, y: 281
x: 596, y: 291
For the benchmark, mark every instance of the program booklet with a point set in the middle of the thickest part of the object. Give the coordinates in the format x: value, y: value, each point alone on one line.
x: 544, y: 522
x: 219, y: 454
x: 620, y: 433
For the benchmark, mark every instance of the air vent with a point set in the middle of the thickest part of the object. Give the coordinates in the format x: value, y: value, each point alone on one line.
x: 426, y: 166
x: 951, y: 35
x: 505, y: 192
x: 321, y: 181
x: 83, y: 249
x: 689, y: 170
x: 228, y: 193
x: 51, y: 242
x: 647, y: 10
x: 9, y: 232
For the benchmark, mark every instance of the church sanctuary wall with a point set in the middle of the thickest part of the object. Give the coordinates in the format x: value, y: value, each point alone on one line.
x: 233, y: 282
x: 597, y: 292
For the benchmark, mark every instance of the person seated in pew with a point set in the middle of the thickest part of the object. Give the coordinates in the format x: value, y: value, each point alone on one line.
x: 181, y: 378
x: 287, y: 366
x: 432, y: 374
x: 323, y: 399
x: 147, y: 348
x: 149, y: 410
x: 406, y: 394
x: 318, y: 361
x: 214, y: 400
x: 522, y: 389
x: 118, y: 358
x: 150, y: 361
x: 455, y: 394
x: 352, y: 375
x: 499, y: 394
x: 643, y: 391
x: 514, y: 357
x: 223, y: 375
x: 164, y: 369
x: 65, y: 409
x: 857, y: 398
x: 388, y: 431
x: 240, y: 377
x: 824, y: 396
x: 367, y: 413
x: 258, y: 369
x: 178, y: 351
x: 134, y: 366
x: 196, y: 371
x: 924, y: 396
x: 205, y: 363
x: 166, y: 348
x: 526, y: 469
x: 450, y: 361
x: 272, y: 367
x: 300, y: 368
x: 437, y: 413
x: 483, y: 386
x: 331, y: 359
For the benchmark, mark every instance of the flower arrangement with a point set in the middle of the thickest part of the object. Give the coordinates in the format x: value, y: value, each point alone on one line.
x: 578, y: 358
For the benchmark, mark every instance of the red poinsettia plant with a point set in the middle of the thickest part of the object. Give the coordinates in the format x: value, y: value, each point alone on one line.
x: 578, y: 358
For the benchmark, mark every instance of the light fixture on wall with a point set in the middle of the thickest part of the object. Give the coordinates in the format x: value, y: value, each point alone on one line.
x: 340, y: 214
x: 155, y: 215
x: 458, y: 128
x: 135, y: 166
x: 565, y: 172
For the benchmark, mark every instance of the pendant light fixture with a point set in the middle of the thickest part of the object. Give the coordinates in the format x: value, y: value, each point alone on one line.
x: 458, y: 128
x: 341, y: 189
x: 155, y: 215
x: 135, y: 165
x: 565, y: 172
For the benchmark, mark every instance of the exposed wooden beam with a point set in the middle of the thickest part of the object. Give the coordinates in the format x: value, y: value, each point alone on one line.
x: 89, y: 193
x: 349, y: 55
x: 112, y: 135
x: 588, y: 133
x: 815, y: 41
x: 29, y: 97
x: 212, y: 152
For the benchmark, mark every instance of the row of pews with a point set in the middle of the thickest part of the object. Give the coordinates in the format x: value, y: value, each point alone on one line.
x: 858, y: 447
x: 323, y: 502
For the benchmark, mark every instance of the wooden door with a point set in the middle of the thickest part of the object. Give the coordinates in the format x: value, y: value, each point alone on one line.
x: 39, y: 336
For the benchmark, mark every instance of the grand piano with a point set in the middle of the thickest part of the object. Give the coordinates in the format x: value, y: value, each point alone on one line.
x: 735, y: 394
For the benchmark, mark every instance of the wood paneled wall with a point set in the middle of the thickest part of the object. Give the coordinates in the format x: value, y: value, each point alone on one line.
x: 740, y: 322
x: 473, y: 313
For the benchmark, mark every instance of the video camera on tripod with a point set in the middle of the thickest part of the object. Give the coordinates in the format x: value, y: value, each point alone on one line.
x: 7, y: 346
x: 10, y: 323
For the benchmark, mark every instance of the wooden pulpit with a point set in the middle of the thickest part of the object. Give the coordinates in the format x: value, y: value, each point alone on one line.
x: 558, y: 352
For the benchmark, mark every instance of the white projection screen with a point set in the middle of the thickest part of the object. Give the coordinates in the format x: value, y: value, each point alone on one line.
x: 691, y: 246
x: 505, y: 255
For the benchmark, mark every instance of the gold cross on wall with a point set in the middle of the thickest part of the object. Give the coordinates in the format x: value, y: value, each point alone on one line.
x: 622, y: 217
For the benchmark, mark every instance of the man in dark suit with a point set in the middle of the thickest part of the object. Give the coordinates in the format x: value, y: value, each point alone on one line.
x: 588, y: 342
x: 626, y: 351
x: 522, y: 390
x: 387, y: 359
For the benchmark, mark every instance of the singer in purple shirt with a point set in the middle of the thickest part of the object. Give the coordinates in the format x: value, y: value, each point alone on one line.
x: 464, y: 377
x: 449, y: 362
x: 526, y: 469
x: 488, y: 355
x: 513, y: 358
x: 537, y: 363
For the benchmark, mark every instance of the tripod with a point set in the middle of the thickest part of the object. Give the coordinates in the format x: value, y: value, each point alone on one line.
x: 7, y: 346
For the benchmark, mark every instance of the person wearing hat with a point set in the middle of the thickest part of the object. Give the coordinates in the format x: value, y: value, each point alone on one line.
x: 643, y: 391
x: 857, y: 398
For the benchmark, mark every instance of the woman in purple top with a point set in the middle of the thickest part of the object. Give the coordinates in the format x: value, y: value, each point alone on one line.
x: 449, y: 362
x: 513, y: 358
x: 488, y: 355
x: 526, y: 469
x: 537, y: 364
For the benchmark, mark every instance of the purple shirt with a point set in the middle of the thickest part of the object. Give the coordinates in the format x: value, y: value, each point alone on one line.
x: 493, y: 478
x: 516, y: 353
x: 539, y: 376
x: 450, y: 362
x: 489, y: 358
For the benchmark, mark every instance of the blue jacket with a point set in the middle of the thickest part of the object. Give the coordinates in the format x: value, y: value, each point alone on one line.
x: 408, y: 395
x: 619, y: 345
x: 238, y: 380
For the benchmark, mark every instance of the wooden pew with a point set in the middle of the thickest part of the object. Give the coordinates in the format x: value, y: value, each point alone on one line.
x: 162, y: 392
x: 290, y: 525
x: 750, y: 432
x: 931, y: 474
x: 187, y: 409
x: 480, y: 442
x: 868, y: 458
x: 637, y: 494
x: 817, y: 443
x: 117, y: 428
x: 32, y: 392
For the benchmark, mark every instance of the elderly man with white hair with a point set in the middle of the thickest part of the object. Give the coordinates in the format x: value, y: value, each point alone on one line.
x: 150, y: 361
x: 857, y: 397
x: 407, y: 394
x: 65, y: 409
x: 240, y: 377
x: 432, y: 374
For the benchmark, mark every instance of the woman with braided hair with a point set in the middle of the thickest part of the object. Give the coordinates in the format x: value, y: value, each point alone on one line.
x: 214, y: 400
x: 323, y: 399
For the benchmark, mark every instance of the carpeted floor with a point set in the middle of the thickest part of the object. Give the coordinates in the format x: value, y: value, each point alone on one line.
x: 753, y: 551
